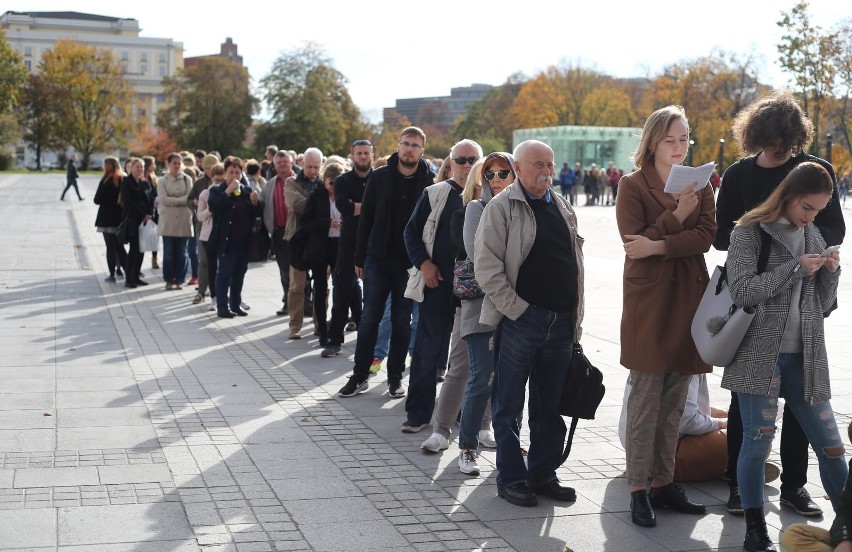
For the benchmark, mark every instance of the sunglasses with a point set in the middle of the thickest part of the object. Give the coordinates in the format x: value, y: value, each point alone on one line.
x: 502, y: 175
x: 361, y: 143
x: 466, y: 160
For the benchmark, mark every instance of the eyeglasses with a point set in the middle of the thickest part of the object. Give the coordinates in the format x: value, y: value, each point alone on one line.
x: 415, y: 145
x: 540, y: 165
x: 361, y: 143
x: 466, y: 160
x: 502, y: 175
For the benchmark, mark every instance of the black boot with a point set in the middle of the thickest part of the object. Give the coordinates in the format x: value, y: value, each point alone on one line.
x: 757, y: 538
x: 641, y: 511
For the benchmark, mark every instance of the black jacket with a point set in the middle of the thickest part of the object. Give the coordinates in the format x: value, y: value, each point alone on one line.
x: 109, y: 212
x: 740, y: 193
x: 315, y: 222
x: 349, y: 190
x: 135, y: 202
x: 221, y: 206
x: 71, y: 172
x: 376, y: 222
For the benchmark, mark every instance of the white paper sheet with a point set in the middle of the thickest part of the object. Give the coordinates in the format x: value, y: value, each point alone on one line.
x: 682, y: 176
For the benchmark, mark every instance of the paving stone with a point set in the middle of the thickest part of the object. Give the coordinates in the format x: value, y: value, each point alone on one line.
x: 122, y: 524
x: 30, y: 528
x: 55, y: 477
x: 134, y: 474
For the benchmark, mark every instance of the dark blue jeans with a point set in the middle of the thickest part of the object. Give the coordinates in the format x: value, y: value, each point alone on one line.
x: 230, y: 272
x: 174, y: 259
x: 431, y: 347
x: 383, y: 278
x: 192, y: 251
x: 480, y: 350
x: 536, y: 346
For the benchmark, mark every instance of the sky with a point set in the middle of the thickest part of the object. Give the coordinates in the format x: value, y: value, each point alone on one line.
x: 390, y: 49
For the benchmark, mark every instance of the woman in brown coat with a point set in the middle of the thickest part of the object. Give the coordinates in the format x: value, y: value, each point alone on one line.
x: 665, y: 237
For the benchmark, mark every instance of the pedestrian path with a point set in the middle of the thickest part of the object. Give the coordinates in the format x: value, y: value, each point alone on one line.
x: 134, y: 420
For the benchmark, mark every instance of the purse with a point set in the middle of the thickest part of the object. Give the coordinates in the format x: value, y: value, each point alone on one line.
x: 582, y: 393
x: 465, y: 285
x: 123, y: 230
x: 719, y: 325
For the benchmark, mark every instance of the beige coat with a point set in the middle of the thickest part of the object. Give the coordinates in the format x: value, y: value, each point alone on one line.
x: 504, y: 238
x: 175, y: 216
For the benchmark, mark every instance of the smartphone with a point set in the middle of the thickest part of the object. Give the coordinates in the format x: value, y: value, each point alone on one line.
x: 829, y: 250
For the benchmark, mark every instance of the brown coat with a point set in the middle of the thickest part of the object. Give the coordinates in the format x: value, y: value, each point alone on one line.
x: 662, y: 293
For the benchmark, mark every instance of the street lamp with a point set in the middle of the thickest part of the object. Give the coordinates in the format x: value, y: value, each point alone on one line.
x: 721, y: 156
x: 828, y: 144
x: 689, y: 155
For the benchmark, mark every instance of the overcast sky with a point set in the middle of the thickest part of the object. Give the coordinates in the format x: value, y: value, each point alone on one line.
x: 390, y: 49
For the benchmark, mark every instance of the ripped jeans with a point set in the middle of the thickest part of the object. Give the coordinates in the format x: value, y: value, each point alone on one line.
x: 759, y: 414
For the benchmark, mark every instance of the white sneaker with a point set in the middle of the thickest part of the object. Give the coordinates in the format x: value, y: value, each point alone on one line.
x: 467, y: 462
x: 435, y: 443
x: 486, y: 439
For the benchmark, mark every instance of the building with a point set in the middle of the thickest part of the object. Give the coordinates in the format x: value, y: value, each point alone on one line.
x: 586, y: 144
x: 146, y: 61
x: 227, y: 50
x: 440, y: 111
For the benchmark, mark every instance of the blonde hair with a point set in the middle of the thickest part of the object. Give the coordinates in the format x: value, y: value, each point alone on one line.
x: 444, y: 170
x: 217, y: 170
x: 473, y: 185
x: 654, y: 130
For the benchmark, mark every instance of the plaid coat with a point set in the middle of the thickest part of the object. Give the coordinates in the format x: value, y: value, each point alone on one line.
x: 770, y: 293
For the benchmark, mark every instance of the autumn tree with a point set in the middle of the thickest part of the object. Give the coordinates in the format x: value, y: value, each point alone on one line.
x: 807, y: 53
x: 94, y: 114
x: 210, y: 105
x: 385, y: 137
x: 488, y: 121
x: 842, y: 105
x: 12, y: 76
x: 554, y: 97
x: 310, y: 104
x: 607, y: 106
x: 37, y: 116
x: 156, y: 143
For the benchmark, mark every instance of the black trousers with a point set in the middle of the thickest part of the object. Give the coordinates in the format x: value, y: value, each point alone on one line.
x: 114, y: 252
x: 346, y: 293
x: 134, y: 261
x: 320, y: 277
x: 68, y: 187
x: 794, y: 448
x: 281, y: 248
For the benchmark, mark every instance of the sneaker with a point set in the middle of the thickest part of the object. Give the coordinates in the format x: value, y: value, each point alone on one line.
x: 245, y: 306
x: 735, y: 503
x: 110, y: 278
x: 375, y: 366
x: 435, y: 443
x: 198, y: 299
x: 771, y: 472
x: 351, y: 326
x: 353, y: 387
x: 486, y: 439
x: 193, y: 281
x: 395, y: 389
x: 413, y: 427
x: 800, y: 501
x: 467, y: 462
x: 170, y: 286
x: 330, y: 351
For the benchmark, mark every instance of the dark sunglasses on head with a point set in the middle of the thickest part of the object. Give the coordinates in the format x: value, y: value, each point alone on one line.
x: 502, y: 175
x: 466, y: 160
x: 361, y: 143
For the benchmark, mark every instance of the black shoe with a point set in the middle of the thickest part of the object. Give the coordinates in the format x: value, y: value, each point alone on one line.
x: 518, y: 493
x: 757, y: 538
x: 800, y: 500
x: 735, y: 503
x: 395, y: 389
x: 556, y: 491
x: 330, y: 351
x: 282, y: 311
x: 674, y: 498
x: 411, y: 426
x: 225, y: 314
x: 119, y: 273
x: 131, y: 285
x: 141, y: 283
x: 239, y: 311
x: 640, y: 509
x: 353, y: 387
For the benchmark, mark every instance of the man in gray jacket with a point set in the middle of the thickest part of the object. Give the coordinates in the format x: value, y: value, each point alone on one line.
x: 529, y: 263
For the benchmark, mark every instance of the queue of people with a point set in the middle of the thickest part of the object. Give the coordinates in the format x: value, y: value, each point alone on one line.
x: 492, y: 257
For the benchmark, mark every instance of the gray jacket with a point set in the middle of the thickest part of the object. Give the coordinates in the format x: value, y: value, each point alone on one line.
x: 471, y: 309
x: 770, y: 293
x: 503, y: 240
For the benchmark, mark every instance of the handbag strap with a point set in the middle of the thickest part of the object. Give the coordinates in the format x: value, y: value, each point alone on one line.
x: 568, y: 444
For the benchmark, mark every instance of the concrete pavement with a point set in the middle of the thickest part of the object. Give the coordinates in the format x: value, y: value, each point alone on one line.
x: 134, y: 420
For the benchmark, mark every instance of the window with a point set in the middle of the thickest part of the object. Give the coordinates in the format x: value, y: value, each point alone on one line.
x: 28, y: 50
x: 143, y: 69
x: 162, y: 57
x: 143, y: 57
x: 29, y: 64
x: 162, y: 70
x: 125, y: 56
x: 161, y: 98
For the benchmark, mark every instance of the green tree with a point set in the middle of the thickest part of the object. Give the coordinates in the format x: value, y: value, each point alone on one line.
x: 211, y: 105
x: 488, y: 121
x: 93, y: 115
x: 37, y: 116
x: 842, y: 105
x: 807, y: 53
x: 310, y: 104
x: 13, y: 73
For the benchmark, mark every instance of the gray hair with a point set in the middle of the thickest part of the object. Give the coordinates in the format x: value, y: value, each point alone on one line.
x: 282, y: 153
x: 313, y: 152
x: 466, y: 142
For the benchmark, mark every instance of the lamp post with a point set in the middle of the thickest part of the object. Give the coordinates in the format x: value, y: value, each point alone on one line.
x: 689, y: 155
x: 721, y: 156
x: 828, y: 144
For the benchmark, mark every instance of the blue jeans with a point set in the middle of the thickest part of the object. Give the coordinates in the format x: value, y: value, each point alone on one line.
x: 192, y: 251
x: 536, y: 346
x: 431, y: 348
x: 230, y: 272
x: 174, y: 259
x: 383, y: 340
x: 759, y: 413
x: 382, y: 279
x: 480, y: 350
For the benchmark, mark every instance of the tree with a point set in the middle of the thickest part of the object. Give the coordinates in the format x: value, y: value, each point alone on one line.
x: 310, y: 103
x: 842, y: 106
x: 93, y: 115
x: 157, y: 144
x: 37, y: 117
x: 808, y: 54
x: 211, y: 105
x: 12, y: 76
x: 607, y: 106
x: 488, y: 121
x: 386, y: 137
x: 555, y: 97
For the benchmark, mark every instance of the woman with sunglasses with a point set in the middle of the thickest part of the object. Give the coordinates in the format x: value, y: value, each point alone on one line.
x: 497, y: 173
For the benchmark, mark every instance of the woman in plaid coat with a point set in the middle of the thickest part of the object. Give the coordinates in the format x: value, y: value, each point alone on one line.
x: 783, y: 351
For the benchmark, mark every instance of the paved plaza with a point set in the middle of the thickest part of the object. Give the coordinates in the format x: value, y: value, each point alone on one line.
x: 134, y: 420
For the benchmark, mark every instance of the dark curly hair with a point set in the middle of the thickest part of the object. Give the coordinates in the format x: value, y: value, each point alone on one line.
x: 777, y: 117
